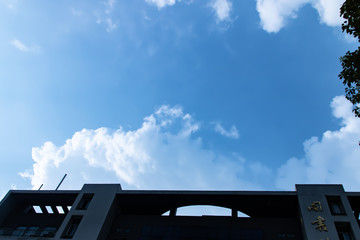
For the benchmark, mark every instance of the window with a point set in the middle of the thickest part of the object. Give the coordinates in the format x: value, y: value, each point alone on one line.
x: 6, y: 231
x: 71, y: 227
x: 32, y: 231
x: 286, y: 236
x: 335, y: 205
x: 19, y: 231
x: 60, y: 210
x: 85, y: 201
x: 48, y: 232
x: 49, y: 209
x: 344, y: 231
x: 37, y: 209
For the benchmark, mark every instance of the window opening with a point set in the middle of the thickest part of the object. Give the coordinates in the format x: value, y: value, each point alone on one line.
x: 242, y: 215
x: 19, y: 231
x: 37, y: 209
x: 48, y: 232
x: 344, y: 231
x: 6, y: 231
x: 60, y: 209
x: 85, y: 202
x: 335, y: 205
x: 32, y: 231
x: 286, y: 235
x: 71, y: 227
x: 203, y: 210
x: 49, y: 209
x: 166, y: 213
x: 29, y: 209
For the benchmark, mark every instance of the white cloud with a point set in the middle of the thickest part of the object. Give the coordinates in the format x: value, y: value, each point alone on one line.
x: 329, y: 11
x: 22, y: 47
x: 332, y: 159
x: 110, y: 25
x: 19, y: 45
x: 232, y: 133
x: 105, y: 15
x: 161, y: 3
x: 110, y: 4
x: 162, y: 154
x: 274, y: 13
x: 222, y: 9
x: 165, y: 153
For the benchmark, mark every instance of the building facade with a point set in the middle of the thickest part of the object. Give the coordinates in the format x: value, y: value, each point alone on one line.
x: 106, y: 212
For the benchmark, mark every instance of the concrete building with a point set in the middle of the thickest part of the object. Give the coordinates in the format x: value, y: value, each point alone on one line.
x: 105, y: 211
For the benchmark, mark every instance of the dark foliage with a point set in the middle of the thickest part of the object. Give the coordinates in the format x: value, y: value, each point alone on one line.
x: 350, y: 62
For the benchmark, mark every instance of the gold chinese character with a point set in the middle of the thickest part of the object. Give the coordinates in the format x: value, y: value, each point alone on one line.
x: 316, y: 206
x: 320, y: 222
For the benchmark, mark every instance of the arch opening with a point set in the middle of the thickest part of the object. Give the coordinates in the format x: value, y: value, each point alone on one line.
x: 206, y: 210
x: 203, y: 210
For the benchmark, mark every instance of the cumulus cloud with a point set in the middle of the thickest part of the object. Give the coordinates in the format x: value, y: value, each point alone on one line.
x: 161, y: 3
x: 274, y: 13
x: 161, y: 154
x: 167, y: 152
x: 222, y: 9
x: 334, y: 158
x: 329, y: 11
x: 232, y: 133
x: 22, y: 47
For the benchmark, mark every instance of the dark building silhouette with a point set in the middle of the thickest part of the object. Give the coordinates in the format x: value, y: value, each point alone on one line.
x: 106, y: 212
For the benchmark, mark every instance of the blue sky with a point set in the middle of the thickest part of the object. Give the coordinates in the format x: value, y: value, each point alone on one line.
x: 166, y: 94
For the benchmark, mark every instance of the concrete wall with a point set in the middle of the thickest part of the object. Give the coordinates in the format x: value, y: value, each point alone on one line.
x: 317, y: 195
x: 92, y: 225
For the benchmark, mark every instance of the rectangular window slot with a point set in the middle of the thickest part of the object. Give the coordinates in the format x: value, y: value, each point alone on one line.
x: 32, y: 232
x: 335, y: 205
x: 85, y: 202
x: 37, y: 209
x: 49, y: 209
x: 48, y: 232
x: 60, y: 210
x: 19, y: 231
x: 344, y: 231
x: 29, y: 209
x: 71, y: 227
